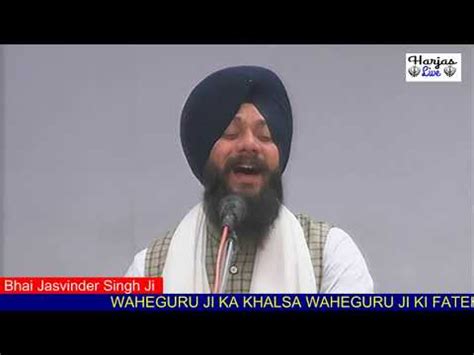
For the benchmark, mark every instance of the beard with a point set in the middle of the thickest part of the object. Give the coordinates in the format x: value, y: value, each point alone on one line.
x: 262, y: 207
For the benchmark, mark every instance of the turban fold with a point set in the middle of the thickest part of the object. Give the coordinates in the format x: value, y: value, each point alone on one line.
x: 214, y: 102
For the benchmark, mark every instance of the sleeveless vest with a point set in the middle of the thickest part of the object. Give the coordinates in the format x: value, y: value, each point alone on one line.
x: 315, y: 234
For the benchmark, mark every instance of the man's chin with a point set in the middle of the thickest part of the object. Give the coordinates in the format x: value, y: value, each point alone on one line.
x: 245, y: 189
x: 246, y: 193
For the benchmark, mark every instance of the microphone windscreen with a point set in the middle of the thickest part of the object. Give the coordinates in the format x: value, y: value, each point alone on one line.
x: 232, y: 210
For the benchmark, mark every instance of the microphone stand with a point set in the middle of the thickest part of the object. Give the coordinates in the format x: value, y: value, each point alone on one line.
x: 228, y: 260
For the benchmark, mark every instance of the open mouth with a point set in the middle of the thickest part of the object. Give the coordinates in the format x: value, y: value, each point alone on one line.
x: 246, y: 169
x: 244, y: 174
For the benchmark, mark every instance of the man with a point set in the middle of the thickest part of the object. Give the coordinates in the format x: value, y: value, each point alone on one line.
x: 236, y: 132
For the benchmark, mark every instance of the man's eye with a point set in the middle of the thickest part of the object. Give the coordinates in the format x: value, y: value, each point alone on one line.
x: 230, y: 135
x: 265, y: 138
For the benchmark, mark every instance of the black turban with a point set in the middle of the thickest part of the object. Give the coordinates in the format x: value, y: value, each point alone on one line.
x: 213, y: 103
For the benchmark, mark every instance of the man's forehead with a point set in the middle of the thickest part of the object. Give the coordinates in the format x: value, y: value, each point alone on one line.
x: 259, y: 121
x: 248, y: 113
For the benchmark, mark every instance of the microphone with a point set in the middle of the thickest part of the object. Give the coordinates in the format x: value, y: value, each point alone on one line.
x: 232, y: 210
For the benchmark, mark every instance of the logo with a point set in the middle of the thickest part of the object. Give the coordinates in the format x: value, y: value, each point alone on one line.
x: 450, y: 70
x: 414, y: 71
x: 433, y: 67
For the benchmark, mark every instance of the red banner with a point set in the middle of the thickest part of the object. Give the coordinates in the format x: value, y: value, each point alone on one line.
x: 81, y: 285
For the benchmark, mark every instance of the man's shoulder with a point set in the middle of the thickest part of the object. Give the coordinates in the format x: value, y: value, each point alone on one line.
x: 162, y: 240
x: 309, y: 223
x: 315, y: 231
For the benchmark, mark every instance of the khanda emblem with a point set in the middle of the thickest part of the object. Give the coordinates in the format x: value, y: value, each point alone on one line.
x: 414, y: 71
x: 449, y: 70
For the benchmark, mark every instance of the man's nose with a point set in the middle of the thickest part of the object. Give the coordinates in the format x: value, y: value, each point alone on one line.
x: 248, y: 142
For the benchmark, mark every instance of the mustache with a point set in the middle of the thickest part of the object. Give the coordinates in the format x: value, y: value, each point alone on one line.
x: 254, y: 161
